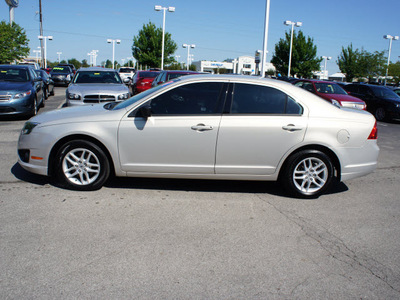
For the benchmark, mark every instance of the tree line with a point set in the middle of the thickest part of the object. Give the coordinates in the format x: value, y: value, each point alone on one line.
x: 146, y: 49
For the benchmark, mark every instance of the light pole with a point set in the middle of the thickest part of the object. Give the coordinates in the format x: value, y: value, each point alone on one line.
x: 188, y: 46
x: 326, y: 58
x: 123, y: 61
x: 59, y: 56
x: 264, y: 54
x: 41, y: 37
x: 290, y: 23
x: 37, y: 55
x: 164, y: 9
x: 113, y: 45
x: 390, y: 38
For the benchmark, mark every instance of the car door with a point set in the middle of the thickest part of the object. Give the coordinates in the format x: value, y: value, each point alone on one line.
x: 179, y: 136
x: 262, y: 125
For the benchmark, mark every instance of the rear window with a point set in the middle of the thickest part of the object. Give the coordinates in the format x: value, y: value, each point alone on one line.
x: 60, y: 69
x: 148, y: 74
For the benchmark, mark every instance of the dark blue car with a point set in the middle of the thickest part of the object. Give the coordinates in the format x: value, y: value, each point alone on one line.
x: 21, y: 90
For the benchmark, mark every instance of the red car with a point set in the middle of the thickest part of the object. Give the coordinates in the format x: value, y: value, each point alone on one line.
x: 331, y: 92
x: 142, y: 80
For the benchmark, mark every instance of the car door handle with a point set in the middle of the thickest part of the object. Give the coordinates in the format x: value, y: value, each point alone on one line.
x: 202, y: 127
x: 291, y: 128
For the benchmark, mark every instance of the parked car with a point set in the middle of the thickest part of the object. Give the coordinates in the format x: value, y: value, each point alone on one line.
x: 331, y: 92
x: 61, y: 75
x: 168, y: 75
x: 21, y: 90
x: 205, y: 127
x: 47, y: 70
x: 96, y: 85
x: 32, y: 64
x: 48, y: 83
x: 142, y: 80
x: 72, y: 66
x: 126, y: 72
x: 381, y: 101
x: 397, y: 90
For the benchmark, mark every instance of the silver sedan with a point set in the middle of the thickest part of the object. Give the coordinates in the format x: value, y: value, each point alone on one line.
x: 205, y: 127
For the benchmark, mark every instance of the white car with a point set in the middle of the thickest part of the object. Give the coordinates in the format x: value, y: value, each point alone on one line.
x: 96, y: 85
x: 126, y: 72
x: 205, y: 127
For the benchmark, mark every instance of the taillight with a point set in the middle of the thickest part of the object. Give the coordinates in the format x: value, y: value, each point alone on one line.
x: 374, y: 133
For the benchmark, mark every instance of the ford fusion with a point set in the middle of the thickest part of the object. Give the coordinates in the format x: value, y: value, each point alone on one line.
x: 205, y: 127
x: 96, y: 85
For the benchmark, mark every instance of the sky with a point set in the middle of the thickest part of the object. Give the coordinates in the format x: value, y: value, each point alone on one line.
x: 220, y: 29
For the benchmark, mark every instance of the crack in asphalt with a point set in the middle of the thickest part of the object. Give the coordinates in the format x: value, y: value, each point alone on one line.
x: 338, y: 250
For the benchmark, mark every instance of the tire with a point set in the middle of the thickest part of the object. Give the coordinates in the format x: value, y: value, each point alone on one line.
x: 52, y: 92
x: 380, y: 114
x: 81, y: 165
x: 35, y: 108
x: 43, y: 103
x: 307, y: 174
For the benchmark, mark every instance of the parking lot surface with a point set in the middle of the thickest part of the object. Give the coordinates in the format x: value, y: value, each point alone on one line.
x: 185, y: 239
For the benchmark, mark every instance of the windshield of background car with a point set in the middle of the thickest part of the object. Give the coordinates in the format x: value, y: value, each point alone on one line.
x: 175, y: 75
x: 126, y: 70
x: 137, y: 97
x: 329, y: 88
x: 97, y: 77
x: 14, y: 75
x: 65, y: 70
x: 148, y: 74
x: 384, y: 92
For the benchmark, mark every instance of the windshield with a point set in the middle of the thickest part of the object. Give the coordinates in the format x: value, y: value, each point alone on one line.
x: 137, y: 97
x: 384, y: 92
x: 126, y: 70
x: 59, y: 69
x: 148, y: 74
x: 14, y: 75
x: 97, y: 77
x: 329, y: 88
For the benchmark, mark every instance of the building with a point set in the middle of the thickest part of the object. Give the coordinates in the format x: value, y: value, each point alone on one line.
x: 244, y: 65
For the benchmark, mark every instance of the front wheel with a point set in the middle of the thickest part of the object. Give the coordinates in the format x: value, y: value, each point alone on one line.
x: 82, y: 165
x: 308, y: 174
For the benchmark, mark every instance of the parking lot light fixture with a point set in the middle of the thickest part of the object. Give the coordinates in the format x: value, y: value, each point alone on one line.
x: 326, y: 58
x: 297, y: 24
x: 59, y: 56
x: 188, y: 46
x: 112, y: 41
x: 164, y: 9
x: 45, y: 38
x: 390, y: 38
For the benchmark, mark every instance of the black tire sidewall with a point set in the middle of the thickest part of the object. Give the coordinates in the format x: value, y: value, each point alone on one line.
x: 104, y: 166
x: 292, y: 162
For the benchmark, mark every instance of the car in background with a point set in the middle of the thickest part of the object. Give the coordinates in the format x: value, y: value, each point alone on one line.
x: 168, y: 75
x: 142, y: 81
x: 47, y: 70
x: 48, y: 83
x: 32, y: 64
x: 72, y: 66
x: 397, y: 90
x: 381, y: 101
x: 21, y: 90
x: 96, y: 85
x: 205, y: 127
x: 331, y: 92
x: 126, y: 72
x: 61, y: 75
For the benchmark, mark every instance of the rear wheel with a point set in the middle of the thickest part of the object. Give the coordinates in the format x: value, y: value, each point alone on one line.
x: 308, y: 174
x: 380, y: 114
x: 82, y: 165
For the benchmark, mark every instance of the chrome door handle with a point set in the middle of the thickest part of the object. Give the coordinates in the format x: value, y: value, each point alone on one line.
x: 291, y: 128
x: 201, y: 127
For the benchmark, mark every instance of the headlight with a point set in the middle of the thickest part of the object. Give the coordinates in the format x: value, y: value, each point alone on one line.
x: 22, y: 95
x: 123, y: 96
x: 28, y: 127
x: 335, y: 102
x: 72, y: 96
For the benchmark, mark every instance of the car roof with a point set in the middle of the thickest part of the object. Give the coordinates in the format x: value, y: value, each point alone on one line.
x: 16, y: 66
x: 97, y: 69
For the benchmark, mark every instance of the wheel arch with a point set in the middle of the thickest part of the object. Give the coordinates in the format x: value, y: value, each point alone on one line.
x: 58, y: 145
x: 332, y: 155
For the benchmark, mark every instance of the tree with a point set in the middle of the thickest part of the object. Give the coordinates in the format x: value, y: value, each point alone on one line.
x: 348, y: 62
x: 13, y: 43
x: 304, y: 55
x: 394, y: 71
x: 75, y: 62
x: 146, y: 48
x: 372, y: 64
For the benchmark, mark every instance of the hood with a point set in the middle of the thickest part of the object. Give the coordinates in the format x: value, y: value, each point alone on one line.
x: 97, y: 88
x: 95, y: 113
x: 9, y: 86
x: 341, y: 97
